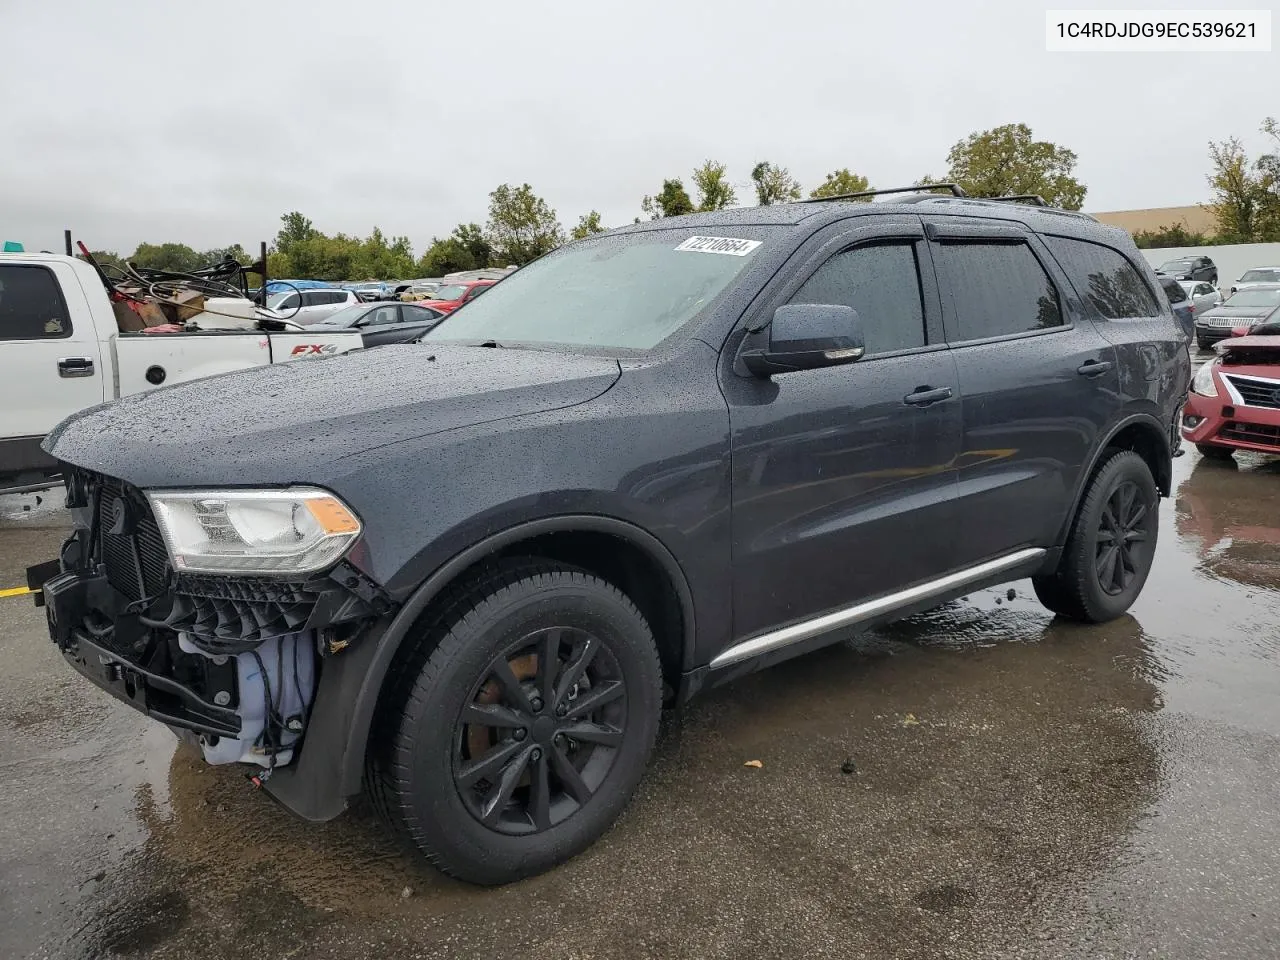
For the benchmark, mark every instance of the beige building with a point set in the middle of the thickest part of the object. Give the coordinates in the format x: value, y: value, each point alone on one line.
x: 1194, y: 219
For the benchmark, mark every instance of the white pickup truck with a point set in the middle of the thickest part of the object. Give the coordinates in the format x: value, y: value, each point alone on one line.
x: 61, y: 351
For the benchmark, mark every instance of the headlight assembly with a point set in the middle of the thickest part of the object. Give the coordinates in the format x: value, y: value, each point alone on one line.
x: 1202, y: 383
x: 260, y: 532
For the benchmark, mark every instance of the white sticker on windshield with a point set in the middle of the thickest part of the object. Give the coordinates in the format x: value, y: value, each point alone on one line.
x: 729, y: 245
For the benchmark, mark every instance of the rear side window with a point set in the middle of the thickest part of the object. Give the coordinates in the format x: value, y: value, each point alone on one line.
x: 881, y: 282
x: 996, y: 289
x: 31, y: 305
x: 1106, y: 278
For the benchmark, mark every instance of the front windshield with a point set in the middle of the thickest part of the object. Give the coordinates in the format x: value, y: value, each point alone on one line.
x: 627, y: 291
x: 1255, y: 298
x: 1177, y: 266
x: 453, y: 291
x: 276, y: 299
x: 1260, y: 276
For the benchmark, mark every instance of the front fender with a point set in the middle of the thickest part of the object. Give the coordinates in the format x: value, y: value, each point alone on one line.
x: 330, y: 767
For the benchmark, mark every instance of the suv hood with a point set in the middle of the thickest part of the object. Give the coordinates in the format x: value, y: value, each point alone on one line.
x: 292, y: 422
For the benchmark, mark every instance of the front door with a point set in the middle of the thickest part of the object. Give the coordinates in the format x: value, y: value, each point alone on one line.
x: 50, y: 359
x: 843, y: 478
x: 1037, y: 379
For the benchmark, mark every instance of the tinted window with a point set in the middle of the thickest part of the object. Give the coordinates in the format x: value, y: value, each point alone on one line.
x: 31, y: 305
x: 418, y: 314
x: 1173, y: 290
x: 881, y: 282
x: 1105, y: 278
x: 996, y: 289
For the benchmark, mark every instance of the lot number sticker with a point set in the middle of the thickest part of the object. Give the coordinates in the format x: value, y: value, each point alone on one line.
x: 727, y: 245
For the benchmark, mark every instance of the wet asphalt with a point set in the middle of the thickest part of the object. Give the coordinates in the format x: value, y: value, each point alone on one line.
x: 980, y: 781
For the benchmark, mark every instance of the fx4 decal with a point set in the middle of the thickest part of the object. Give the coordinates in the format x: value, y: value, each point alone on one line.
x: 308, y: 349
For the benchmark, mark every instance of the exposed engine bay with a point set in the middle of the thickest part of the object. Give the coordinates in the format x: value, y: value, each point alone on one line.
x: 229, y: 663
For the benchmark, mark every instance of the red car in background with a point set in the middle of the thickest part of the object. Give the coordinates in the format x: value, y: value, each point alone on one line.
x: 450, y: 296
x: 1234, y: 402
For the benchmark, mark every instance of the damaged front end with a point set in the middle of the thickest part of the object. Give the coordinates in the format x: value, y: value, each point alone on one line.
x: 230, y: 662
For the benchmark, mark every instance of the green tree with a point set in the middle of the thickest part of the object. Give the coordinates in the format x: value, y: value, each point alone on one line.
x: 588, y: 224
x: 174, y: 257
x: 774, y: 184
x: 672, y: 201
x: 1007, y: 161
x: 464, y: 249
x: 521, y: 227
x: 1240, y: 198
x: 841, y: 182
x: 1174, y: 235
x: 296, y: 229
x: 107, y: 258
x: 714, y: 191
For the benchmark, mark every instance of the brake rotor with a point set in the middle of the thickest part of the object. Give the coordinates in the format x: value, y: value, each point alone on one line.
x: 480, y: 739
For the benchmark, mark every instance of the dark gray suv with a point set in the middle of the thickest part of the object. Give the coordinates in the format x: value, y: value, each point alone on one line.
x: 464, y: 575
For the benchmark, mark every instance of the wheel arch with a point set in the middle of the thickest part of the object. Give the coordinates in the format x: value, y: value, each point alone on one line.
x: 556, y: 538
x: 1144, y: 435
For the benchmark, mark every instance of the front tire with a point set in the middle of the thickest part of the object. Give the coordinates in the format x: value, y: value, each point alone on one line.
x: 1112, y: 544
x: 527, y: 726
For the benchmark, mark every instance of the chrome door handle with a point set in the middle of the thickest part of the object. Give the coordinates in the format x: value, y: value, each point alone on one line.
x: 75, y: 367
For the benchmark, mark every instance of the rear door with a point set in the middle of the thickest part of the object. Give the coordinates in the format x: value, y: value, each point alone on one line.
x: 843, y: 481
x: 50, y: 359
x: 1155, y: 366
x: 1038, y: 383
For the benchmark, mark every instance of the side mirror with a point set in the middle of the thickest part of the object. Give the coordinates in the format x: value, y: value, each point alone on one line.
x: 804, y: 336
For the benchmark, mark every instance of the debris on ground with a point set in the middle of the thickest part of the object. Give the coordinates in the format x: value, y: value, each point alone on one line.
x: 848, y: 766
x: 754, y: 763
x: 910, y: 720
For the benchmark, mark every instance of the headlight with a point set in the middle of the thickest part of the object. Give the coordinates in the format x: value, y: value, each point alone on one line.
x: 1202, y: 383
x: 298, y: 530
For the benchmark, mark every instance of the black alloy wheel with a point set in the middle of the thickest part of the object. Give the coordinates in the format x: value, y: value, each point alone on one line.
x: 540, y: 732
x: 1122, y: 534
x: 520, y: 720
x: 1111, y: 544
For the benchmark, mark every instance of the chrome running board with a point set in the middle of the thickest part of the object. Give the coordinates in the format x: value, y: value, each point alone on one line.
x: 861, y: 612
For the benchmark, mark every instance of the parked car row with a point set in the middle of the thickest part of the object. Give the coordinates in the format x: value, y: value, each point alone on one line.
x: 1259, y: 303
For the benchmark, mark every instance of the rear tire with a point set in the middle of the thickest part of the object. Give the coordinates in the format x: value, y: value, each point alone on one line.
x: 1212, y: 452
x: 496, y: 768
x: 1111, y: 546
x: 1203, y: 344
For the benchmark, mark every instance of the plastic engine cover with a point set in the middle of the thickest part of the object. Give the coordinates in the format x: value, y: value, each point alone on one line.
x: 289, y: 664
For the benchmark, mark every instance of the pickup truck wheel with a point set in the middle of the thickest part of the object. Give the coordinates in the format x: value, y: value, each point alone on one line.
x: 527, y: 728
x: 1111, y: 546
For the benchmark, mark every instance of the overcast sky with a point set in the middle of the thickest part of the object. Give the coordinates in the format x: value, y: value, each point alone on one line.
x: 203, y: 123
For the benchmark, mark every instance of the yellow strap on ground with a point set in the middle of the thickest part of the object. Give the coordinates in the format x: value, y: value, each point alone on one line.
x: 16, y: 592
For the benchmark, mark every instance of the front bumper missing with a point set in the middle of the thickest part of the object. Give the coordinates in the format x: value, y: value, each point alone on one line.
x: 135, y: 670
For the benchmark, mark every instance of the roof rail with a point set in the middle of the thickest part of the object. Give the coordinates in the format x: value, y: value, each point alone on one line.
x: 955, y: 189
x: 1032, y: 198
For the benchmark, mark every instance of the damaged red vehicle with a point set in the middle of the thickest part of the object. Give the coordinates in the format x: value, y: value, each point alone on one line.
x: 1235, y: 398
